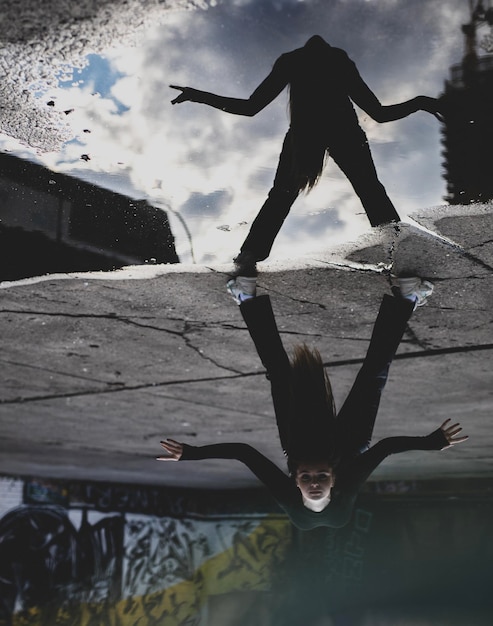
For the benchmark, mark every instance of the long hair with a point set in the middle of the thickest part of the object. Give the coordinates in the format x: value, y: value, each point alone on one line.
x: 309, y: 146
x: 309, y: 158
x: 312, y: 428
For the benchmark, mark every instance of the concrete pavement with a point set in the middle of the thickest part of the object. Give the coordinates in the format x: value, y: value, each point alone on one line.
x: 97, y: 368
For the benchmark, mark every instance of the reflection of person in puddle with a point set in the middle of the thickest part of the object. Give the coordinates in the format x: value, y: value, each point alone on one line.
x: 329, y: 455
x: 322, y: 81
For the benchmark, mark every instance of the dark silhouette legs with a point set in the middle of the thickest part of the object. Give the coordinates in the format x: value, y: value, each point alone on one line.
x: 275, y: 209
x: 260, y: 321
x: 356, y: 419
x: 302, y: 436
x: 355, y: 160
x: 352, y: 154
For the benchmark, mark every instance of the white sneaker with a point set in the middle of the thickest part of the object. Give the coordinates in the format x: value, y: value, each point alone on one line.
x: 414, y: 289
x: 242, y: 288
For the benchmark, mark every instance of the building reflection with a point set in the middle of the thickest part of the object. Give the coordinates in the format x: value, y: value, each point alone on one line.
x: 468, y: 132
x: 96, y: 553
x: 51, y: 222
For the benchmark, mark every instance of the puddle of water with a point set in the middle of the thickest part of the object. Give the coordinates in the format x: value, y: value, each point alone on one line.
x: 210, y: 171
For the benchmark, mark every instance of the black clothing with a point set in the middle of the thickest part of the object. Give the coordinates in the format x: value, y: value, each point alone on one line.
x: 345, y: 440
x: 326, y: 122
x: 324, y: 83
x: 349, y: 477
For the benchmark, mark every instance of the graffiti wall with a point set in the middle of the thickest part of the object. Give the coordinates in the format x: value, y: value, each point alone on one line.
x: 93, y: 554
x: 73, y: 554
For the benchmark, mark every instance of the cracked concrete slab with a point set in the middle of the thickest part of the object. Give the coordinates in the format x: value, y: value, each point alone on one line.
x: 97, y: 368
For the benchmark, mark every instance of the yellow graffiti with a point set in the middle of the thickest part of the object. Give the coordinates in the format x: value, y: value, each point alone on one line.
x: 247, y: 565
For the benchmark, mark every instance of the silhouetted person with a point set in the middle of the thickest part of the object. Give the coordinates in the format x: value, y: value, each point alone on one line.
x: 323, y: 83
x: 329, y: 455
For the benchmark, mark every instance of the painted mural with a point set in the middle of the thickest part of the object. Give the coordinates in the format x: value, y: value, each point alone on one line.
x: 62, y: 562
x: 96, y: 554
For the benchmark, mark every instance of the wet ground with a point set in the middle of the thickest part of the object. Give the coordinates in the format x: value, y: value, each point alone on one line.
x: 97, y: 367
x: 86, y: 92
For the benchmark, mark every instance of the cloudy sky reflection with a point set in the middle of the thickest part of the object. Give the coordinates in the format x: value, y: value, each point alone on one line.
x: 214, y: 169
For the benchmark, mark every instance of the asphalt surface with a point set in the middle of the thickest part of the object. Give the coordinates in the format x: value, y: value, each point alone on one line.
x: 97, y: 368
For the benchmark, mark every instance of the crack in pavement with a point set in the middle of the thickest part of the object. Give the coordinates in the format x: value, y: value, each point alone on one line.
x: 132, y: 322
x: 414, y: 339
x: 430, y: 352
x: 238, y: 409
x: 244, y: 329
x: 189, y: 326
x: 59, y: 373
x: 102, y: 316
x: 471, y: 257
x: 452, y: 244
x: 137, y: 387
x: 294, y: 299
x: 312, y: 335
x: 483, y: 243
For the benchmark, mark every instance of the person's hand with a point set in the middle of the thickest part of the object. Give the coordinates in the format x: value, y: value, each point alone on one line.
x: 186, y: 95
x: 431, y: 105
x: 450, y: 432
x: 173, y: 448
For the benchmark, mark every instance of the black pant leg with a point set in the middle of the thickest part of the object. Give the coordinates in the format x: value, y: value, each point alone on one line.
x: 353, y: 156
x: 356, y: 418
x: 275, y: 209
x: 259, y: 317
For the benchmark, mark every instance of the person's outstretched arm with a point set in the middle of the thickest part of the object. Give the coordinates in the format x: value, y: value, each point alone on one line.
x: 265, y: 470
x: 269, y: 89
x: 363, y: 96
x: 444, y: 437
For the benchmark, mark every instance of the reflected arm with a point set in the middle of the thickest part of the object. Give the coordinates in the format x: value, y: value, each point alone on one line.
x: 364, y: 97
x: 368, y: 461
x: 263, y: 95
x: 265, y: 470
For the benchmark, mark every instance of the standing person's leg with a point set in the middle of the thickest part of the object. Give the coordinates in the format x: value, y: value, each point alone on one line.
x: 266, y: 225
x: 352, y: 154
x: 259, y: 318
x: 356, y: 418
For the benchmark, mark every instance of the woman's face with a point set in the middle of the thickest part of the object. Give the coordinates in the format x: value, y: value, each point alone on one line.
x: 314, y: 480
